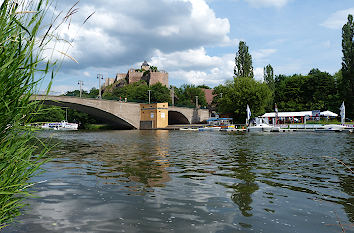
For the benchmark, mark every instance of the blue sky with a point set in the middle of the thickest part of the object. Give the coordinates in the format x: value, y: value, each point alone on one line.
x: 195, y: 41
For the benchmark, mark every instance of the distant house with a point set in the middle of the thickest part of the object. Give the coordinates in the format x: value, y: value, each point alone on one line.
x: 147, y: 73
x: 209, y: 96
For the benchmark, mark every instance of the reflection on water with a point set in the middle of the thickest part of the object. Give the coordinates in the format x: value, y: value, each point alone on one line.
x: 160, y: 181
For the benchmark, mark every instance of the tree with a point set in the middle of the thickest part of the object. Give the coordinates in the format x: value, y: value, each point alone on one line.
x: 76, y: 93
x: 243, y: 62
x: 316, y: 91
x: 347, y: 82
x: 138, y: 92
x: 160, y: 93
x: 186, y: 96
x: 94, y: 92
x: 49, y: 114
x: 240, y: 92
x: 204, y: 86
x: 268, y: 75
x: 319, y: 91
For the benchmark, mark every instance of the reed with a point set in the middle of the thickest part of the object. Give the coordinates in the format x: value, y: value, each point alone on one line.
x: 21, y: 70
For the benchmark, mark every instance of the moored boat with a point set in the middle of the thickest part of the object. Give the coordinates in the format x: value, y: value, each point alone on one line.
x: 217, y: 124
x: 332, y: 128
x: 259, y: 128
x: 63, y: 125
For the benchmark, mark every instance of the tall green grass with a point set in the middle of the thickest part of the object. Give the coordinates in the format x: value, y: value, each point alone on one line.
x: 22, y: 40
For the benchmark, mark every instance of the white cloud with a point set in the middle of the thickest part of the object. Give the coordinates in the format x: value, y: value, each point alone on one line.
x: 258, y: 73
x: 338, y: 19
x: 262, y: 53
x: 194, y: 66
x: 120, y: 34
x: 268, y: 3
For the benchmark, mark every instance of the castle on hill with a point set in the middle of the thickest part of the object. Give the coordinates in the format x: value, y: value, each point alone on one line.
x: 148, y: 73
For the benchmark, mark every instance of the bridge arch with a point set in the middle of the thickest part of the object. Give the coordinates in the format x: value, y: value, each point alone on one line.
x: 106, y: 117
x: 176, y: 117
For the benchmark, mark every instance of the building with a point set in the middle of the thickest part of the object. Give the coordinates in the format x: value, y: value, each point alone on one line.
x: 153, y: 116
x: 209, y: 96
x: 146, y: 72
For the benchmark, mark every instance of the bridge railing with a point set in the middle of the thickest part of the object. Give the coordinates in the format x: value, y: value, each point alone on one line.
x: 114, y: 98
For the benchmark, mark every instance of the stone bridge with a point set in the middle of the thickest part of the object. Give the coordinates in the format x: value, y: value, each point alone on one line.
x: 119, y: 114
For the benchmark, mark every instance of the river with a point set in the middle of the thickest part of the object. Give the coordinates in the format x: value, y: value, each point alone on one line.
x: 181, y: 181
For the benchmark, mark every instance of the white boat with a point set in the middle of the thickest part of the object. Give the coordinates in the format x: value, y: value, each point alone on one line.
x: 217, y: 124
x: 333, y: 128
x: 262, y: 126
x: 63, y: 125
x: 210, y: 128
x: 259, y: 128
x: 189, y: 129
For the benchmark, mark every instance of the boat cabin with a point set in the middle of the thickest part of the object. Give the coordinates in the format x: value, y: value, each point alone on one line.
x: 215, y: 121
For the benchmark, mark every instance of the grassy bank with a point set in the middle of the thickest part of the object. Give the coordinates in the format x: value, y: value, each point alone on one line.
x: 97, y: 127
x: 22, y: 40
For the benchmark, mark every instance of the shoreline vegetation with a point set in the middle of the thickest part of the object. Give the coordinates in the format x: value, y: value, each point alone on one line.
x: 28, y: 32
x: 20, y: 157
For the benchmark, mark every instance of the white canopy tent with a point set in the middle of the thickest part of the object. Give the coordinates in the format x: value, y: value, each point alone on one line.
x: 328, y: 114
x: 298, y: 114
x: 287, y: 114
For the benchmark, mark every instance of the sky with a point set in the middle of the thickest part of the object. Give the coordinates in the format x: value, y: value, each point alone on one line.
x: 195, y: 41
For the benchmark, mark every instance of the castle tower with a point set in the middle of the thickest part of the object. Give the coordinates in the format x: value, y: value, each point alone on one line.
x: 145, y: 66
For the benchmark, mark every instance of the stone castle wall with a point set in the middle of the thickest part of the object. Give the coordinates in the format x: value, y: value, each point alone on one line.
x: 156, y: 77
x: 120, y: 77
x: 134, y: 76
x: 108, y: 81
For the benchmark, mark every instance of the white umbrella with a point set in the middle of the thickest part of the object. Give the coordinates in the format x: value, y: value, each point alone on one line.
x: 328, y: 114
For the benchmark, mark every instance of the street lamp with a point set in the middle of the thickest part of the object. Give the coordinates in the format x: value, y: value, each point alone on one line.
x: 81, y: 83
x: 99, y: 77
x: 173, y: 95
x: 149, y: 95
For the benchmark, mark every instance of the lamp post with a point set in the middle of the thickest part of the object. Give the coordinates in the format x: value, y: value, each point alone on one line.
x: 173, y: 95
x: 196, y: 101
x: 149, y: 95
x: 221, y: 95
x: 99, y: 77
x: 81, y: 83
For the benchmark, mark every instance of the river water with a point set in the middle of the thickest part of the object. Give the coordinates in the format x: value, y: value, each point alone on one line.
x: 180, y: 181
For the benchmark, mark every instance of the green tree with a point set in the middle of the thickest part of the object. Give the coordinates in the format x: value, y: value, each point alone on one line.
x: 319, y: 91
x: 204, y: 86
x: 347, y: 82
x: 289, y: 93
x: 49, y: 114
x: 94, y: 92
x: 160, y: 93
x: 243, y: 62
x: 240, y: 92
x: 268, y: 75
x: 186, y: 96
x: 76, y: 93
x: 138, y: 92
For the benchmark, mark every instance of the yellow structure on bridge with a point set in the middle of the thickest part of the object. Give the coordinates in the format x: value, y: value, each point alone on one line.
x: 153, y: 116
